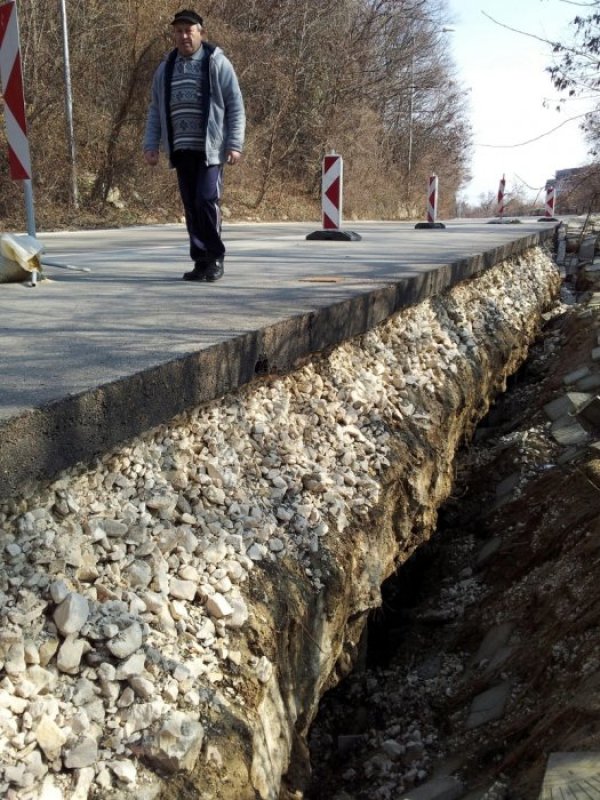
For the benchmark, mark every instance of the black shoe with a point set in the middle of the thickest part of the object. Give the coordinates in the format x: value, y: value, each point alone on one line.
x: 214, y: 270
x: 198, y: 273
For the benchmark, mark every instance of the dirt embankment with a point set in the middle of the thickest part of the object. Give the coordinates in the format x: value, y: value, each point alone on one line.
x: 505, y: 608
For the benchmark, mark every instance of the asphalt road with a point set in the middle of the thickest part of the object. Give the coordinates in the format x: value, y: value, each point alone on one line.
x: 79, y: 330
x: 90, y: 360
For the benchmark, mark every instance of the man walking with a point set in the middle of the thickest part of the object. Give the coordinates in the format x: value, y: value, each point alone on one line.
x: 197, y: 118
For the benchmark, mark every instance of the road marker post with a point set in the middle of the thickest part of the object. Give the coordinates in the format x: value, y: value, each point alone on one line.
x: 11, y: 83
x: 500, y: 198
x: 550, y: 201
x: 432, y: 205
x: 332, y: 192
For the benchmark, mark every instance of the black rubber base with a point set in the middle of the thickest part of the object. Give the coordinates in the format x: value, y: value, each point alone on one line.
x: 335, y: 236
x: 547, y: 219
x: 421, y: 225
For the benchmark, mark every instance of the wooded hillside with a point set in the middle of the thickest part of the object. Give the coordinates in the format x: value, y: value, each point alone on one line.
x: 372, y: 79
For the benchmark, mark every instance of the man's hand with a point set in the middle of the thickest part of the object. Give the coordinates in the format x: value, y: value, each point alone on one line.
x: 233, y: 157
x: 151, y: 157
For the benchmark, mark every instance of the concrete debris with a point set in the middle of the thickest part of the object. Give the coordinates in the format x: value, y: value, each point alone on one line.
x: 576, y: 375
x: 590, y: 412
x: 568, y: 432
x: 575, y: 775
x: 566, y: 405
x: 576, y: 414
x: 19, y: 257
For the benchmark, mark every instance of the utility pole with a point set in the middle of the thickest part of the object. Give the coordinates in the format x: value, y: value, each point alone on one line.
x: 69, y: 106
x: 411, y: 111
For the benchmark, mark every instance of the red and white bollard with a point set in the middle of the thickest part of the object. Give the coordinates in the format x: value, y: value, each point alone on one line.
x: 19, y: 159
x: 550, y: 202
x: 432, y: 205
x: 11, y: 82
x: 332, y: 193
x: 432, y: 199
x: 550, y: 199
x: 12, y: 90
x: 500, y: 198
x: 332, y: 183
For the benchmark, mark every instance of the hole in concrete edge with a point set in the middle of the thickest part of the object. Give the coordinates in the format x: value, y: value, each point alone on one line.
x: 262, y: 365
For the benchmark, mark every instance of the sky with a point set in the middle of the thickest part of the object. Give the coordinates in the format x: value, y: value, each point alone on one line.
x: 506, y: 85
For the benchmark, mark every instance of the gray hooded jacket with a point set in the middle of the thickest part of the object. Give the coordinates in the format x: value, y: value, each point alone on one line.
x: 224, y: 116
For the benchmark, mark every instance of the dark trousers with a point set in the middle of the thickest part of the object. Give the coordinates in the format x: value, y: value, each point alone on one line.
x: 200, y: 187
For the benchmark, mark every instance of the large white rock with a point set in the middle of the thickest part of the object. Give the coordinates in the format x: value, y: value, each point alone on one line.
x: 72, y: 614
x: 50, y: 737
x: 218, y: 606
x: 127, y: 641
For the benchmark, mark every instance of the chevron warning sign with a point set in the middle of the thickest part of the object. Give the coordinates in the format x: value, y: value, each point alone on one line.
x: 432, y: 206
x: 432, y: 199
x: 333, y: 175
x: 332, y: 191
x: 501, y: 191
x: 11, y: 83
x: 550, y: 199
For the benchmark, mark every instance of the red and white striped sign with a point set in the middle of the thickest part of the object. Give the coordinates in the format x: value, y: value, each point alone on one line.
x: 550, y: 199
x: 432, y: 198
x: 501, y: 196
x: 11, y: 82
x: 332, y: 187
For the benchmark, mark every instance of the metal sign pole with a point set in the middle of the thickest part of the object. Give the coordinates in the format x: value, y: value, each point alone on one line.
x: 14, y: 110
x: 11, y: 84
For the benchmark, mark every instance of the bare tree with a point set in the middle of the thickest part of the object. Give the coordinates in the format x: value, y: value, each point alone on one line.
x: 577, y: 73
x: 371, y: 79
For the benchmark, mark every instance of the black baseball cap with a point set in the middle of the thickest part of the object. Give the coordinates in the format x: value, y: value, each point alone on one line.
x: 187, y: 16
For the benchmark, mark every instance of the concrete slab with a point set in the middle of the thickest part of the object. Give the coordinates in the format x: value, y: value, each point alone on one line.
x: 589, y: 384
x: 576, y: 375
x: 570, y: 454
x: 590, y: 412
x: 90, y: 360
x: 572, y: 775
x: 587, y: 248
x: 568, y: 432
x: 566, y: 404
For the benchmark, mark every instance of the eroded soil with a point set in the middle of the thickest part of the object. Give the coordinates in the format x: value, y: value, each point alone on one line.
x: 507, y: 598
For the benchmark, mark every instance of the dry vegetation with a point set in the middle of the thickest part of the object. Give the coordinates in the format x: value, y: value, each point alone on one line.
x: 349, y: 75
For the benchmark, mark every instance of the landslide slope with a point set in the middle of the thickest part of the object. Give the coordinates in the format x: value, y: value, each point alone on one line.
x: 506, y: 599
